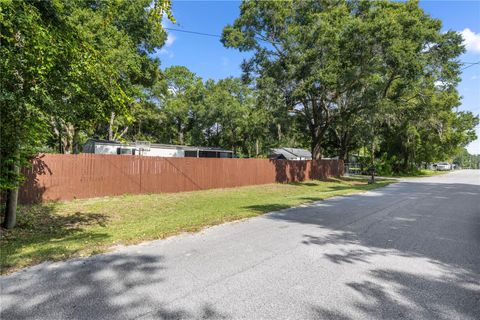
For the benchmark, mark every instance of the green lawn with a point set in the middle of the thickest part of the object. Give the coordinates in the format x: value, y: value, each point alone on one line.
x: 61, y: 230
x: 419, y: 173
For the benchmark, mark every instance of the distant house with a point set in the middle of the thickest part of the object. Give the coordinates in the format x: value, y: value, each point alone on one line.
x: 290, y: 154
x: 153, y: 149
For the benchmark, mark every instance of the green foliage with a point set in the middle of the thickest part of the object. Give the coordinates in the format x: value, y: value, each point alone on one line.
x: 358, y: 73
x: 29, y: 57
x: 384, y: 165
x: 66, y: 67
x: 467, y: 160
x: 336, y: 77
x: 183, y: 109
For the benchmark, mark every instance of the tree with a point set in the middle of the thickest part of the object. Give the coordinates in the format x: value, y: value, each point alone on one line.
x: 466, y: 160
x: 228, y: 100
x: 334, y: 60
x: 296, y: 49
x: 186, y: 110
x: 31, y: 56
x: 180, y: 105
x: 61, y: 68
x: 125, y: 33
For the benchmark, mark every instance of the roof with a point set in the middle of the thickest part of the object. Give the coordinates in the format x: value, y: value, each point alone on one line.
x: 293, y: 153
x: 103, y: 141
x: 180, y: 147
x: 161, y: 146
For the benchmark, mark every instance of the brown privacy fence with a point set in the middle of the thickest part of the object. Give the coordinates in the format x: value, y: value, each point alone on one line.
x: 66, y: 177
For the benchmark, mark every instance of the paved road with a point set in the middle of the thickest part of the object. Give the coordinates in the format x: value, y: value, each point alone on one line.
x: 408, y: 251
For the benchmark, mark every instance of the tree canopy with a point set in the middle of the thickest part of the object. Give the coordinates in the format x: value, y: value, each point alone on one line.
x: 344, y: 66
x: 68, y: 65
x: 375, y: 79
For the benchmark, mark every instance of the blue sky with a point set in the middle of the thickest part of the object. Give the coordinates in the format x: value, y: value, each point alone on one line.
x: 207, y: 57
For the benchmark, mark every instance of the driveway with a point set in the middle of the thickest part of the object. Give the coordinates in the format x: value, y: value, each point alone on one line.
x: 407, y: 251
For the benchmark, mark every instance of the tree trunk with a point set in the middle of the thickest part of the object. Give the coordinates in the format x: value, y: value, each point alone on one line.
x: 110, y: 126
x: 344, y: 147
x: 120, y: 136
x: 180, y: 138
x: 316, y: 146
x: 373, y: 160
x: 76, y: 142
x: 60, y: 143
x: 234, y: 140
x: 180, y: 132
x: 257, y: 147
x: 57, y: 131
x: 316, y: 150
x: 11, y: 205
x: 69, y: 138
x: 343, y: 154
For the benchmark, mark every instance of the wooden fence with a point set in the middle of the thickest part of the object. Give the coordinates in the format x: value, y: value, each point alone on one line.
x: 65, y: 177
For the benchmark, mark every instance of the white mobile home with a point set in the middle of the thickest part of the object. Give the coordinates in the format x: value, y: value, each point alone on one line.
x: 153, y: 150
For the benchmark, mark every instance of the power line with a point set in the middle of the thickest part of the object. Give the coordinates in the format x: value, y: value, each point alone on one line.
x: 208, y: 34
x: 470, y: 64
x: 194, y: 32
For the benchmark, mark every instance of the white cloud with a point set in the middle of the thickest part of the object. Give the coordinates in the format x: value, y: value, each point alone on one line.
x: 166, y: 53
x: 170, y: 40
x: 471, y: 40
x: 166, y: 23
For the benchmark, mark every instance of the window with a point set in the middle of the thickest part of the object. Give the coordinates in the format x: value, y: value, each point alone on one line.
x: 225, y: 155
x: 191, y: 153
x: 127, y: 151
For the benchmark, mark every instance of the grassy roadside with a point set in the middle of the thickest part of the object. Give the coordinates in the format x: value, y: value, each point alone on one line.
x: 58, y: 231
x: 418, y: 173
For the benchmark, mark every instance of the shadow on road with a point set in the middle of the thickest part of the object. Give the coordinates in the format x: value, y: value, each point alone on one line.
x: 415, y: 247
x: 420, y: 243
x: 414, y: 297
x: 106, y: 287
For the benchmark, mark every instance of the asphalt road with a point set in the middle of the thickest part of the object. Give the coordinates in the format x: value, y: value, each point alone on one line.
x: 407, y: 251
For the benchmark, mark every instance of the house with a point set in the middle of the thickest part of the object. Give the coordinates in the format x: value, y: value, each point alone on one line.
x: 98, y: 146
x: 290, y: 154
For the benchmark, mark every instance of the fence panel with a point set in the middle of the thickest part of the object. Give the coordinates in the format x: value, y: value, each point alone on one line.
x: 65, y: 177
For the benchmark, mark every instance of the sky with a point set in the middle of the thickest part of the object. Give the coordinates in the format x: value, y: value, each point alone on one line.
x: 208, y: 58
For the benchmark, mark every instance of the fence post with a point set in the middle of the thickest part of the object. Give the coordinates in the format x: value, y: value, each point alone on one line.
x: 140, y: 168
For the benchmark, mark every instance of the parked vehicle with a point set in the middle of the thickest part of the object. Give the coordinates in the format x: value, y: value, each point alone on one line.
x: 444, y: 166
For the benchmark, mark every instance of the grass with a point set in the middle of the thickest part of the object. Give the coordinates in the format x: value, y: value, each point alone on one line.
x: 410, y: 174
x: 417, y: 173
x: 57, y: 231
